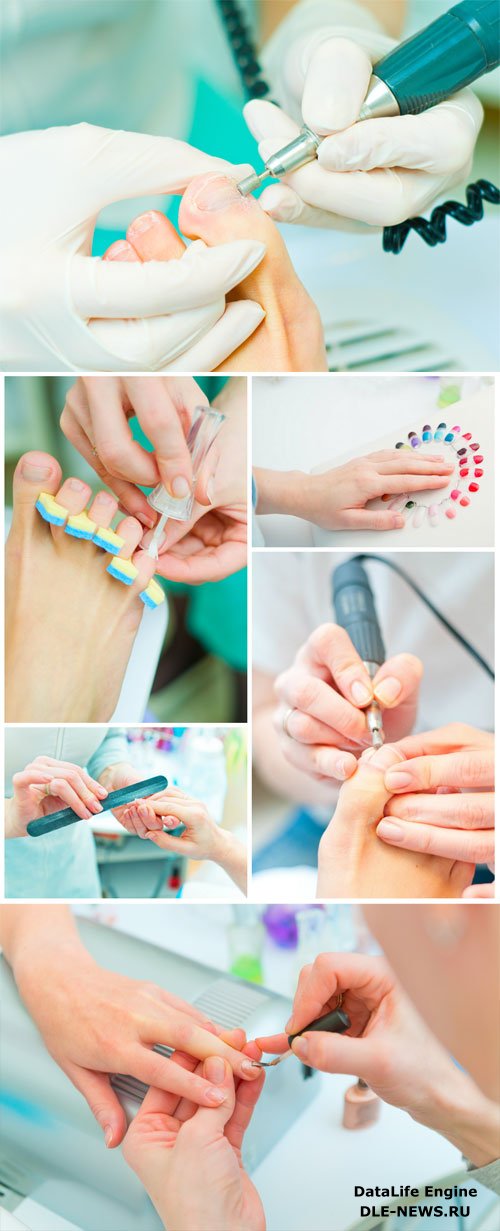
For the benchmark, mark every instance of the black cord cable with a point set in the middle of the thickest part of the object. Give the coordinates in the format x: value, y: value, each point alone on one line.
x: 432, y: 230
x: 401, y: 572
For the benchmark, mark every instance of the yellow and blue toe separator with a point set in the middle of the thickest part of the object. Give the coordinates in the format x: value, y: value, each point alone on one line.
x: 50, y: 510
x: 154, y: 595
x: 80, y: 526
x: 123, y: 570
x: 108, y: 540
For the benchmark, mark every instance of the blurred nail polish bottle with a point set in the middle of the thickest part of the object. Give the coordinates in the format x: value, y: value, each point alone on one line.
x: 361, y: 1106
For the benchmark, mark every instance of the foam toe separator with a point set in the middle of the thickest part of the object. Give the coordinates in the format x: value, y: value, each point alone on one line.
x: 108, y: 540
x: 153, y: 595
x: 50, y: 510
x: 80, y: 526
x: 123, y: 570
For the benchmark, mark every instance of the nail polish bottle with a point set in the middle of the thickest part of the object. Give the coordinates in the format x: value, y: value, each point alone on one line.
x: 361, y: 1106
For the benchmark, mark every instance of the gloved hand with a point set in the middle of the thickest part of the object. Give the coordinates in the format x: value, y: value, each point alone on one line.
x: 60, y: 305
x: 378, y: 172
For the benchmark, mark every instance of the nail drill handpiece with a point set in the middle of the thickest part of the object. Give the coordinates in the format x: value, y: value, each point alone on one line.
x: 355, y: 611
x: 450, y: 53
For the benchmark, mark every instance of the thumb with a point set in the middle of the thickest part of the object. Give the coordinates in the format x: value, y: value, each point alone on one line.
x: 333, y: 1053
x: 103, y: 1102
x: 208, y: 1123
x: 335, y: 85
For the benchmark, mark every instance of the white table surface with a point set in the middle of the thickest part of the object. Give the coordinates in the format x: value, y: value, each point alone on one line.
x: 307, y: 1181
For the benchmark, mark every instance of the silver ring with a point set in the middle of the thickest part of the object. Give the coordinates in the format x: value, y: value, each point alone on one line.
x: 286, y: 717
x: 47, y: 788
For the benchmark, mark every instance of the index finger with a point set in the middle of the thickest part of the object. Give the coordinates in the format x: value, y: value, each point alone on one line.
x: 443, y: 739
x: 334, y: 973
x: 330, y: 646
x: 182, y: 1033
x: 471, y: 767
x: 164, y: 410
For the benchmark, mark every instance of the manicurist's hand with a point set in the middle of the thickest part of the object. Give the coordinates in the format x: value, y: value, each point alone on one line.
x: 47, y: 785
x: 443, y: 799
x: 337, y: 499
x: 62, y: 307
x: 322, y: 697
x: 378, y: 171
x: 213, y: 543
x: 389, y: 1046
x: 96, y: 419
x: 95, y: 1022
x: 189, y: 1159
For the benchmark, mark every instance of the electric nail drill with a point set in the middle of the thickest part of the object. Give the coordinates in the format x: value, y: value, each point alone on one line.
x: 205, y: 426
x: 356, y: 612
x: 453, y: 51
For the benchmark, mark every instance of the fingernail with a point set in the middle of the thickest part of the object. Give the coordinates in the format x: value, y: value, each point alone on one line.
x: 101, y: 790
x: 360, y: 693
x: 217, y: 193
x: 76, y: 485
x: 390, y: 831
x: 343, y: 768
x: 396, y: 780
x: 247, y: 1066
x: 301, y: 1048
x: 108, y: 1135
x: 398, y: 522
x: 215, y: 1096
x: 388, y: 690
x: 145, y: 519
x: 34, y: 473
x: 180, y: 486
x: 143, y: 223
x: 147, y: 539
x: 216, y: 1069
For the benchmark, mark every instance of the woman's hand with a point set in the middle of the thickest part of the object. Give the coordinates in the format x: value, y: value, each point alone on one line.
x: 202, y: 837
x: 321, y: 720
x: 189, y: 1159
x: 213, y: 543
x: 443, y: 800
x: 354, y: 863
x: 114, y: 778
x: 96, y: 418
x: 390, y: 1047
x: 46, y: 786
x: 95, y: 1022
x: 337, y: 498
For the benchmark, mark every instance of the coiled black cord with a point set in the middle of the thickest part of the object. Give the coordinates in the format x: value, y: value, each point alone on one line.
x: 432, y: 230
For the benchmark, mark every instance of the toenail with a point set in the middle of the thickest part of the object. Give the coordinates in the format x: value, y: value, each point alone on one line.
x: 76, y: 485
x: 217, y: 193
x: 143, y: 223
x: 33, y: 473
x: 180, y: 486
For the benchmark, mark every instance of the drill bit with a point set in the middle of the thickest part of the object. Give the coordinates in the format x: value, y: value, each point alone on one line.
x: 253, y: 181
x: 375, y: 724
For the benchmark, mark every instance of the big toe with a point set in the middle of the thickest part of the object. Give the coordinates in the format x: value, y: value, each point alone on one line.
x: 37, y: 475
x: 214, y: 210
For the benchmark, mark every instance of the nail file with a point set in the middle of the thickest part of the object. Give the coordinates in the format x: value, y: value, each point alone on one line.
x: 335, y: 1022
x: 116, y: 799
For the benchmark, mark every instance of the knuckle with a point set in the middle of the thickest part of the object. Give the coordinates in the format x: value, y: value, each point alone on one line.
x: 300, y: 726
x: 304, y: 692
x: 322, y: 637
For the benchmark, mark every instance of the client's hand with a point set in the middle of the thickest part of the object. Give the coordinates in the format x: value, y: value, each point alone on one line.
x: 202, y: 837
x: 337, y: 499
x: 45, y: 786
x: 443, y: 799
x: 290, y: 337
x: 390, y: 1047
x: 189, y: 1159
x: 354, y: 863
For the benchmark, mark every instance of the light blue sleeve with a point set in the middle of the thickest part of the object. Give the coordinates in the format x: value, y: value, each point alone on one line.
x: 113, y: 748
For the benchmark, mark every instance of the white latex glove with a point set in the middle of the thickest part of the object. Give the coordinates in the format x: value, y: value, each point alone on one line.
x: 59, y: 305
x: 378, y: 172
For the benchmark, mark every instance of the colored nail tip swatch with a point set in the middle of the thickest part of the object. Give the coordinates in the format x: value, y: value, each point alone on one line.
x: 410, y: 504
x: 467, y: 435
x: 410, y: 434
x: 479, y: 459
x: 426, y: 427
x: 415, y: 440
x: 441, y: 425
x: 80, y: 526
x: 455, y: 429
x: 450, y: 513
x: 478, y: 474
x: 433, y: 514
x: 108, y: 540
x: 449, y: 437
x: 153, y: 595
x: 426, y: 435
x: 465, y: 501
x: 123, y: 570
x: 438, y: 435
x: 400, y: 445
x: 461, y: 452
x: 475, y: 448
x: 419, y: 515
x: 473, y: 487
x: 50, y: 510
x: 454, y: 494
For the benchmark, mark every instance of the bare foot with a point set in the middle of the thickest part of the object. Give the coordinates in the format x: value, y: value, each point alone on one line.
x: 70, y: 625
x: 290, y: 338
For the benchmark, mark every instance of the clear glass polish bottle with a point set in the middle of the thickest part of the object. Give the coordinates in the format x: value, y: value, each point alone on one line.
x: 205, y: 426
